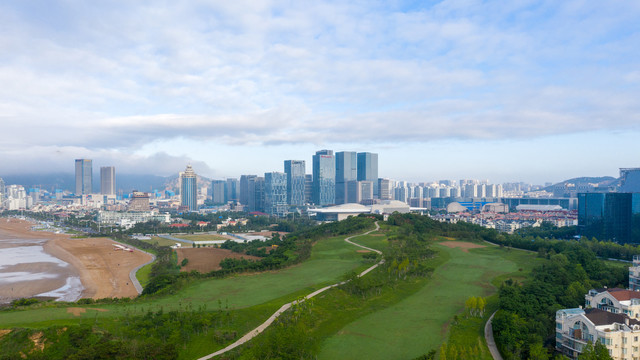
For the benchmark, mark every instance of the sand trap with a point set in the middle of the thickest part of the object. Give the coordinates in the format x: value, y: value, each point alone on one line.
x: 465, y: 246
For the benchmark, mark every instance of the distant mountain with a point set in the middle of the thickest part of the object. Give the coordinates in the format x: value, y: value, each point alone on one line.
x: 65, y: 181
x: 601, y: 181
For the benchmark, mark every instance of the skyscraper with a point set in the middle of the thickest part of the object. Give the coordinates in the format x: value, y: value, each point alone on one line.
x: 244, y: 188
x: 218, y: 195
x: 256, y: 194
x: 189, y: 189
x: 232, y: 189
x: 384, y: 189
x: 295, y: 170
x: 609, y: 216
x: 84, y: 176
x: 346, y: 170
x: 368, y: 170
x: 108, y: 180
x: 1, y: 192
x: 275, y: 194
x: 324, y: 178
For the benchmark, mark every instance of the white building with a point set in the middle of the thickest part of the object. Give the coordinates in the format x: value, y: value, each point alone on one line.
x: 129, y: 218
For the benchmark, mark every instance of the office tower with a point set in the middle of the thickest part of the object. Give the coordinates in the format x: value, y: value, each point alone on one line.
x: 256, y: 194
x: 218, y: 193
x: 84, y: 176
x: 609, y: 216
x: 368, y: 169
x: 232, y: 190
x: 275, y: 194
x: 189, y: 189
x: 384, y: 189
x: 308, y: 188
x: 244, y: 188
x: 107, y: 180
x: 324, y: 178
x: 346, y: 170
x: 295, y: 170
x: 630, y: 180
x: 359, y: 191
x: 139, y: 201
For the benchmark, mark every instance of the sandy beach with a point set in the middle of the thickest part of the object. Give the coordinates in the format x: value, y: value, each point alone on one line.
x: 102, y: 270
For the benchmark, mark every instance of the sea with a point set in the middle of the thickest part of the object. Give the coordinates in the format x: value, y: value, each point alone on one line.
x: 26, y: 270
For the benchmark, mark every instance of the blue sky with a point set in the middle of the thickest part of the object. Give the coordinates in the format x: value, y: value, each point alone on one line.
x: 530, y: 91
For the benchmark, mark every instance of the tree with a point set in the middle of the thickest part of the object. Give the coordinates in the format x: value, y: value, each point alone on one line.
x: 594, y: 352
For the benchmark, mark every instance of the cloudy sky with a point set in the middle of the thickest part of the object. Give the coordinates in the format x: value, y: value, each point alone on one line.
x: 513, y: 90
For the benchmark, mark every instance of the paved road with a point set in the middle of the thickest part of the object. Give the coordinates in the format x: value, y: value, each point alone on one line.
x: 491, y: 343
x: 255, y: 332
x: 132, y: 274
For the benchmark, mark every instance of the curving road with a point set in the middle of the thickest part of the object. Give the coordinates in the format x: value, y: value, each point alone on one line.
x: 132, y: 274
x: 255, y: 332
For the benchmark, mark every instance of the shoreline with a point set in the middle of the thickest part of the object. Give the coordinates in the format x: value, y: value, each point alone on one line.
x: 101, y: 269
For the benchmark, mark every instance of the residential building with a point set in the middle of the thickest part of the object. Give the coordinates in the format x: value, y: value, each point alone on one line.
x: 295, y: 170
x: 218, y: 193
x: 189, y: 189
x: 128, y: 219
x: 617, y: 332
x: 615, y: 300
x: 107, y: 180
x: 324, y: 178
x: 275, y: 194
x: 84, y: 176
x: 368, y: 170
x: 346, y: 171
x: 634, y: 274
x: 244, y: 188
x: 2, y: 190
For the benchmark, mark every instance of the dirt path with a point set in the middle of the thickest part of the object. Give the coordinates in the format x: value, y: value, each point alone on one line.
x: 255, y: 332
x: 491, y: 343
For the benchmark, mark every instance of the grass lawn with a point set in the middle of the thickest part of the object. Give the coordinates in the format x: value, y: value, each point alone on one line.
x: 330, y: 260
x: 162, y: 241
x: 420, y: 322
x: 204, y: 237
x: 143, y: 274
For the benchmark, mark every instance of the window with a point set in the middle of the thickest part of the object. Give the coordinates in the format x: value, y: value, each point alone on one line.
x: 559, y: 326
x: 635, y: 338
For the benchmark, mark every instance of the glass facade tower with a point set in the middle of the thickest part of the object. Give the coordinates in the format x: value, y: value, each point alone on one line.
x: 189, y: 189
x: 368, y: 170
x: 108, y: 180
x: 346, y: 170
x: 84, y: 176
x: 295, y: 170
x: 324, y: 178
x: 275, y: 194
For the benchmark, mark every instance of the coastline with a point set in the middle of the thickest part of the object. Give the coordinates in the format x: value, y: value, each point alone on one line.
x: 102, y: 271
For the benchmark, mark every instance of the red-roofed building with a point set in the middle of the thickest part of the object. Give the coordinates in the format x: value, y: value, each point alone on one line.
x: 178, y: 225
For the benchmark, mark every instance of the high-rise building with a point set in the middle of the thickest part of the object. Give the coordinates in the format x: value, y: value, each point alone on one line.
x: 244, y: 188
x: 346, y: 170
x: 189, y: 189
x: 232, y: 190
x: 2, y: 190
x: 368, y: 169
x: 308, y: 188
x: 360, y: 191
x: 630, y: 180
x: 275, y: 194
x: 218, y: 194
x: 384, y: 189
x: 256, y: 194
x: 324, y: 178
x: 610, y: 216
x: 295, y: 170
x: 107, y: 180
x: 84, y: 176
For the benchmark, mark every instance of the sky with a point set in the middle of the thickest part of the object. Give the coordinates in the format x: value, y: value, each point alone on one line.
x: 534, y: 91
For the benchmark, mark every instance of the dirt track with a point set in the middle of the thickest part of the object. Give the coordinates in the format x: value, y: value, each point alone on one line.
x: 207, y: 259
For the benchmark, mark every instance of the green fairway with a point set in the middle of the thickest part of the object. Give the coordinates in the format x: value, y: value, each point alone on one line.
x: 330, y: 260
x: 418, y: 323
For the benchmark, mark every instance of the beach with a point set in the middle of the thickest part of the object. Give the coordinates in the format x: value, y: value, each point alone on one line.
x: 45, y: 264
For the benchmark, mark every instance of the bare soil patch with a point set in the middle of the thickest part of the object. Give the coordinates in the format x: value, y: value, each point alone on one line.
x: 465, y: 246
x: 207, y: 259
x: 4, y: 332
x: 77, y: 311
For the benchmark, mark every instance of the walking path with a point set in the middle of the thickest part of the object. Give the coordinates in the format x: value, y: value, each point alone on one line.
x: 491, y: 343
x: 255, y: 332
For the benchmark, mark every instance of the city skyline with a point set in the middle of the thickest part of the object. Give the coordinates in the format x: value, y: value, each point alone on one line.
x: 525, y: 91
